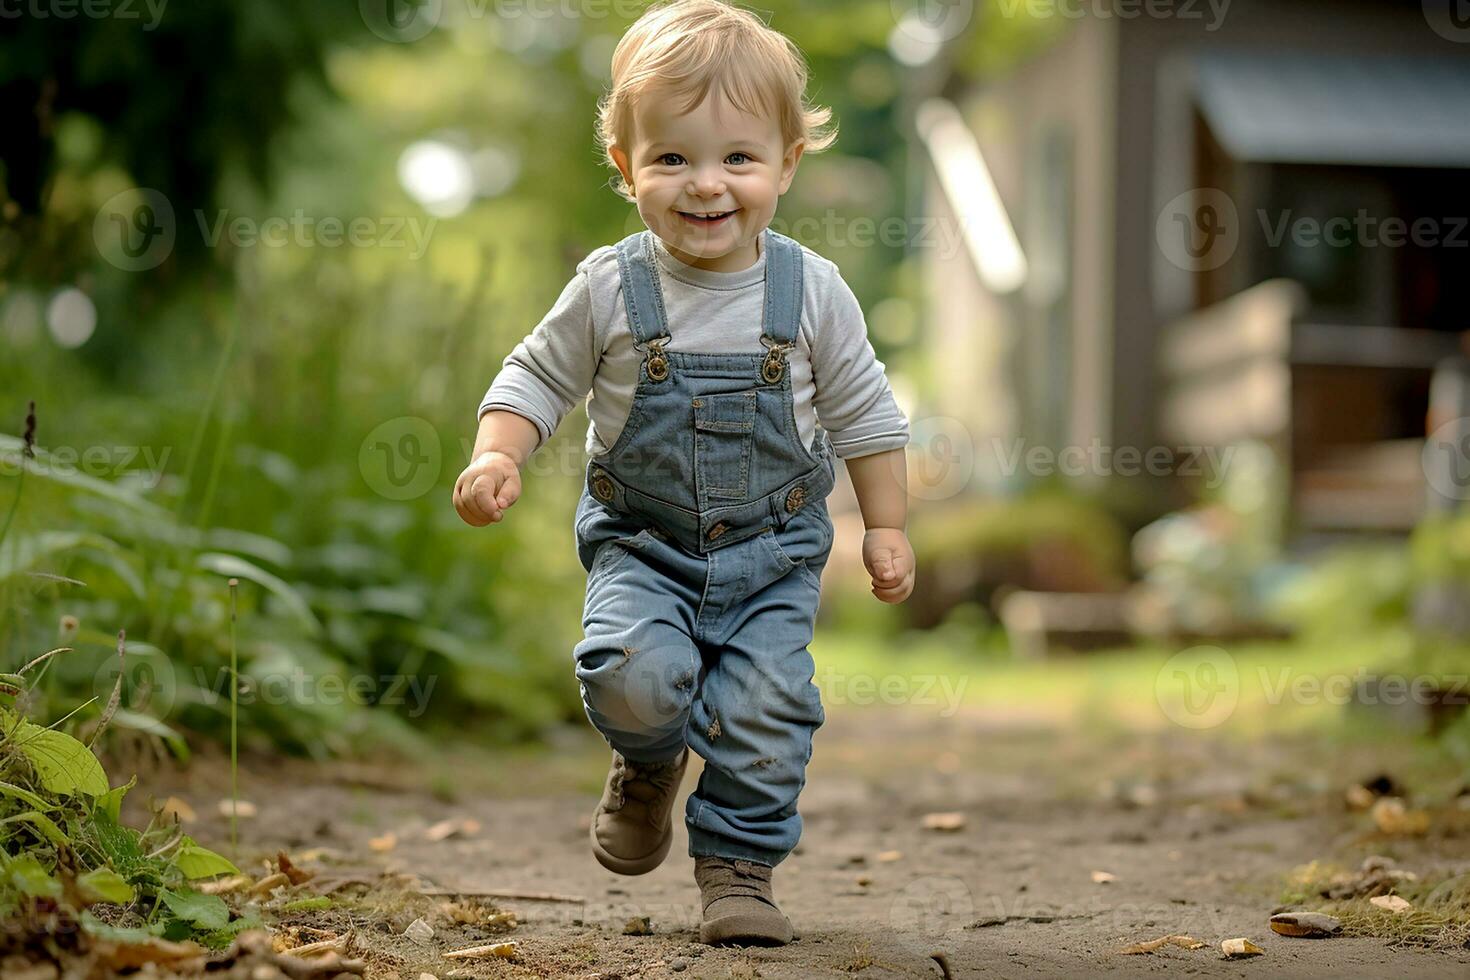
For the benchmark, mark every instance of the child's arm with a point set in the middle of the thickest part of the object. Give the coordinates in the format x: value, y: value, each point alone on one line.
x: 492, y: 481
x: 541, y: 380
x: 855, y: 404
x: 881, y: 484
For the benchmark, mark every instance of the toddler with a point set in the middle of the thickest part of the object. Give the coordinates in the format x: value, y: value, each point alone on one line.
x: 727, y: 367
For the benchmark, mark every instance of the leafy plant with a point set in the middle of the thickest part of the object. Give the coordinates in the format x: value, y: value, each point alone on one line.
x: 62, y: 841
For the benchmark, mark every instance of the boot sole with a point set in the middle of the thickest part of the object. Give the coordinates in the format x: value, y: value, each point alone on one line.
x: 630, y: 866
x: 745, y: 930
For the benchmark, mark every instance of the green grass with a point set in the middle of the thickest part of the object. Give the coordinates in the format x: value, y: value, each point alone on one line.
x: 1280, y: 684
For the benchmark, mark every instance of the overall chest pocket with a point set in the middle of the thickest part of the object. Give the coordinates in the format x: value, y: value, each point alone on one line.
x: 724, y: 430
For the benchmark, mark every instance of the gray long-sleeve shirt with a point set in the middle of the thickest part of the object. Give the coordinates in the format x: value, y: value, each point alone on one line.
x: 584, y: 345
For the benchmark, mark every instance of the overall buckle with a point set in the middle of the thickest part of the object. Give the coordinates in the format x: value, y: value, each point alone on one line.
x: 774, y: 366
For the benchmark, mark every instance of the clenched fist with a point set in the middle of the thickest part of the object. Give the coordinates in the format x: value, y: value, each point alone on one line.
x: 890, y: 561
x: 487, y: 488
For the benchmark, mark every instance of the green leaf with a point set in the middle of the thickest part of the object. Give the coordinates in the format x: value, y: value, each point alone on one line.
x: 103, y: 930
x: 63, y: 764
x: 44, y: 824
x: 233, y: 566
x: 25, y: 875
x: 140, y: 722
x: 200, y: 862
x: 110, y: 802
x: 203, y: 911
x: 42, y: 468
x: 25, y: 796
x: 316, y: 903
x: 118, y: 844
x: 106, y: 885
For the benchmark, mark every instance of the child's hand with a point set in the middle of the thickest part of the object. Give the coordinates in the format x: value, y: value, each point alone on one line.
x: 487, y: 488
x: 890, y: 560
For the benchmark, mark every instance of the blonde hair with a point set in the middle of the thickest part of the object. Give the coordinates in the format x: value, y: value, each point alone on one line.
x: 684, y: 47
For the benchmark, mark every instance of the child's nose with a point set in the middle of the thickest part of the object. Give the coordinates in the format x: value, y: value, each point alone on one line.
x: 707, y: 182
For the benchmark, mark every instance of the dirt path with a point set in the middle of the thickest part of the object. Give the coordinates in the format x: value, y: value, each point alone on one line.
x: 1199, y: 833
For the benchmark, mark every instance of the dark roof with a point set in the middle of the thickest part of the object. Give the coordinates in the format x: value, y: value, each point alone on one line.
x: 1305, y: 107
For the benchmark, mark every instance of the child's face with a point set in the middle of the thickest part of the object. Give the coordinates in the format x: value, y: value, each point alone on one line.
x: 714, y: 159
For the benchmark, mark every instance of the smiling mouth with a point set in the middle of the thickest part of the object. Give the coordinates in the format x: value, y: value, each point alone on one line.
x: 708, y: 218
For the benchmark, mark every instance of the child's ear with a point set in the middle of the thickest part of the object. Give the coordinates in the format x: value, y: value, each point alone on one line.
x: 789, y: 162
x: 621, y: 159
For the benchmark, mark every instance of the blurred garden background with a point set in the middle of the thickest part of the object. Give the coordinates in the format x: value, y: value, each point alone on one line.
x: 1189, y: 457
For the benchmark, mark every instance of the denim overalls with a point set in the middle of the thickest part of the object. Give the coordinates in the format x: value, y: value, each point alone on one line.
x: 704, y: 531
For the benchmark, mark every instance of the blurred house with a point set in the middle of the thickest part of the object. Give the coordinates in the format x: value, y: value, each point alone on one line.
x: 1191, y: 231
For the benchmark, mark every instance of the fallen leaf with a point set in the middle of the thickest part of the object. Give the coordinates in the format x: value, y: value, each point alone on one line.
x: 269, y: 884
x: 175, y: 807
x: 944, y: 821
x: 1236, y: 948
x: 319, y: 947
x: 290, y: 870
x: 1188, y: 942
x: 639, y: 925
x: 1394, y: 817
x: 864, y: 880
x: 385, y: 843
x: 505, y: 951
x: 119, y: 956
x: 419, y: 931
x: 1103, y: 877
x: 1390, y: 903
x: 224, y: 886
x: 442, y: 830
x: 1305, y: 925
x: 243, y: 809
x: 1359, y: 797
x: 889, y: 856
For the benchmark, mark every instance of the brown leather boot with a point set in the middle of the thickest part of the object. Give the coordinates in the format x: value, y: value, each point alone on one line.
x: 737, y: 903
x: 631, y: 829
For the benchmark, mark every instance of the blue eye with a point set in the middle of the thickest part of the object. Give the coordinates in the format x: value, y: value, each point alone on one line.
x: 737, y: 153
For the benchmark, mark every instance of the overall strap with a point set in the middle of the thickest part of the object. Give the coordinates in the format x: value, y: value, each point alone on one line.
x: 782, y: 315
x: 641, y: 294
